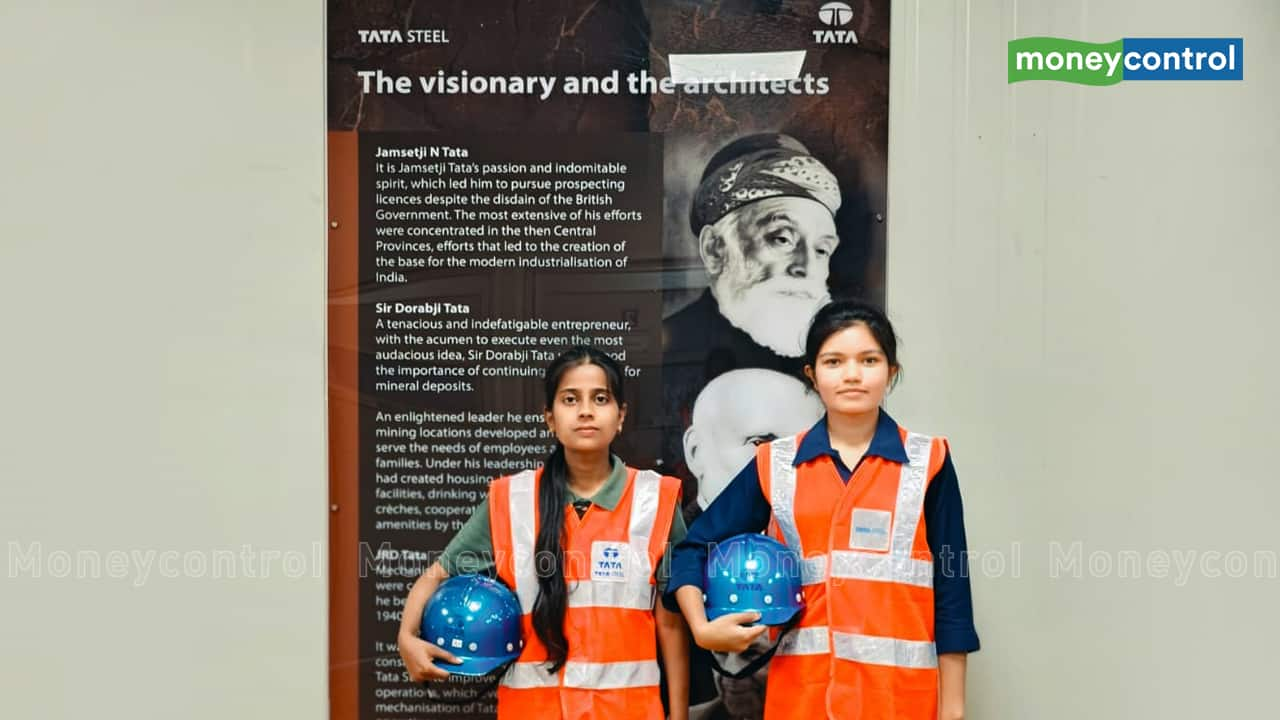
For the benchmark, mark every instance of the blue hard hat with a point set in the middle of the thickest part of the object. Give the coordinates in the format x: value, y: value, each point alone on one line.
x: 478, y: 620
x: 753, y: 573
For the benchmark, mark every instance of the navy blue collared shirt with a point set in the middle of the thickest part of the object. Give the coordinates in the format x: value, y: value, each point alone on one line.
x: 743, y: 508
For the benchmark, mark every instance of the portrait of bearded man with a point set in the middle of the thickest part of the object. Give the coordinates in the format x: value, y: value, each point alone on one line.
x: 764, y: 217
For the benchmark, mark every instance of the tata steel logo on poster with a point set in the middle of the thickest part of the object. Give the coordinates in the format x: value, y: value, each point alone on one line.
x: 420, y: 36
x: 835, y: 15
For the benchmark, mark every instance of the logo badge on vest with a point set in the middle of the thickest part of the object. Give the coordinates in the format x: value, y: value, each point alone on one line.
x: 871, y: 529
x: 835, y: 15
x: 609, y: 561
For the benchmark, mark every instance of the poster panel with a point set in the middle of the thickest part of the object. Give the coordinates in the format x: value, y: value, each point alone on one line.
x: 679, y: 184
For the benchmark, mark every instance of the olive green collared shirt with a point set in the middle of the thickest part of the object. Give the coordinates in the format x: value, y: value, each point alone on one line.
x: 471, y: 550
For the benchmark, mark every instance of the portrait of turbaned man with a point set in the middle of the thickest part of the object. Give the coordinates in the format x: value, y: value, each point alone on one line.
x: 763, y: 215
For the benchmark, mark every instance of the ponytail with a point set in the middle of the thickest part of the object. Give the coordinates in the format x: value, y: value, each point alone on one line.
x: 549, y: 608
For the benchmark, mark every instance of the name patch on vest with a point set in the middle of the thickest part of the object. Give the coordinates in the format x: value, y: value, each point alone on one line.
x: 609, y: 561
x: 871, y: 529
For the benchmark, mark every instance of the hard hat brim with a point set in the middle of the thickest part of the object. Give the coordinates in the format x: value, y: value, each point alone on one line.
x: 477, y: 666
x: 768, y: 616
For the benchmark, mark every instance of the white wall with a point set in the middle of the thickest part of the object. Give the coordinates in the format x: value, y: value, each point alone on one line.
x: 1083, y: 279
x: 162, y: 387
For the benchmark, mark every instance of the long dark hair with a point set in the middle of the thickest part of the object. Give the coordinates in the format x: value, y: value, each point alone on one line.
x: 553, y: 595
x: 838, y: 315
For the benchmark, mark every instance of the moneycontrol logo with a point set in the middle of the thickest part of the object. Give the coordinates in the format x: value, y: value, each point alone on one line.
x: 1072, y: 61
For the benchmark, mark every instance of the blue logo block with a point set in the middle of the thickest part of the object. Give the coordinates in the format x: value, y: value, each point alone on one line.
x: 1184, y: 58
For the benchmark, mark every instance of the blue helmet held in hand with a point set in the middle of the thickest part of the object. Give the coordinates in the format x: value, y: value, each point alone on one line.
x: 477, y: 619
x: 753, y: 573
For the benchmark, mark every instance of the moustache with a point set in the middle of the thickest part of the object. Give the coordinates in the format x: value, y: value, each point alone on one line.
x: 789, y: 288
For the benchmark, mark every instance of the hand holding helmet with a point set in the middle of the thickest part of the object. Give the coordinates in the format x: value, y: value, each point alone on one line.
x: 749, y: 579
x: 732, y: 633
x: 476, y: 617
x: 419, y: 656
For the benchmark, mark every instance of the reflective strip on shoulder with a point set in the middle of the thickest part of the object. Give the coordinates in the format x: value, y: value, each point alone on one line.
x: 782, y: 489
x: 814, y: 640
x: 523, y: 509
x: 910, y: 502
x: 857, y: 565
x: 628, y: 595
x: 645, y: 495
x: 610, y: 676
x: 528, y: 675
x: 893, y: 652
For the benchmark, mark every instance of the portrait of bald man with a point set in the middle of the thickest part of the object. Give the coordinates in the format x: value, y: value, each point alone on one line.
x: 733, y: 414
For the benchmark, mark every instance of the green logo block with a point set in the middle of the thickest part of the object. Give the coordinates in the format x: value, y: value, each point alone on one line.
x: 1072, y: 61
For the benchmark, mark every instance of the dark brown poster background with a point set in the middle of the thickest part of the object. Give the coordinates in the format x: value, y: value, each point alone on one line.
x: 472, y: 236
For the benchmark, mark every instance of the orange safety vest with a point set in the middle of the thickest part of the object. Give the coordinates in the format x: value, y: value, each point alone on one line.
x: 610, y: 556
x: 864, y: 646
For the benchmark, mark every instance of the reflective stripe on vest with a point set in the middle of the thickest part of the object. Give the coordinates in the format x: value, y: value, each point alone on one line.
x: 628, y: 596
x: 610, y: 676
x: 858, y: 565
x: 885, y: 651
x: 522, y: 505
x: 814, y: 640
x: 782, y: 491
x: 910, y: 502
x: 529, y: 675
x: 644, y: 513
x: 813, y: 569
x: 585, y: 675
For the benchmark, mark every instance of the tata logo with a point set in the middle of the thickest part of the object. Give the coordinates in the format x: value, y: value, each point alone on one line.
x: 608, y: 561
x: 869, y: 530
x: 611, y: 559
x: 750, y: 586
x: 835, y: 15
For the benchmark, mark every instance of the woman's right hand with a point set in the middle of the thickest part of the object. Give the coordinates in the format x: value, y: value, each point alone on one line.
x: 728, y: 633
x: 418, y: 654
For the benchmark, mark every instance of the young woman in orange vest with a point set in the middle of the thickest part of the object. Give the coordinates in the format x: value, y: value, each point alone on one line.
x: 874, y: 512
x: 582, y: 542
